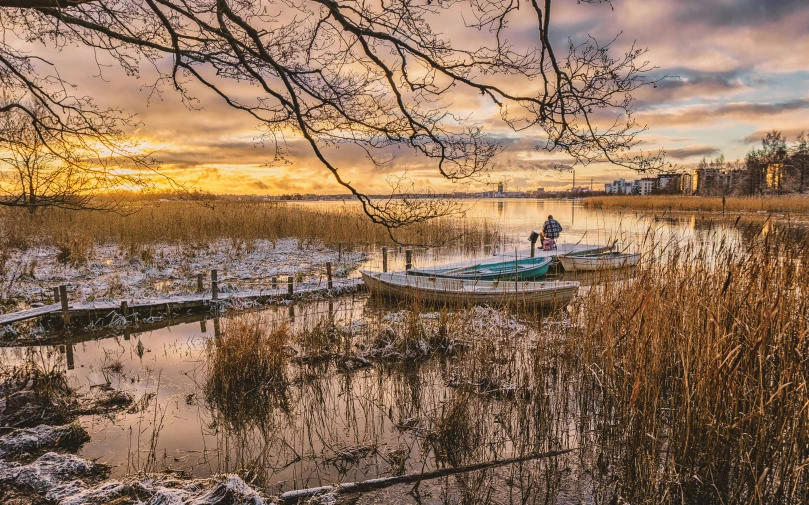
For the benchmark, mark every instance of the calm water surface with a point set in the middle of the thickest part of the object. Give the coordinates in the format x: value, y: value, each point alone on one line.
x: 331, y: 425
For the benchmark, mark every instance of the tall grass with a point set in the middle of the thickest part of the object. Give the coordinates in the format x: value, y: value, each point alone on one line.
x: 792, y: 204
x: 246, y: 374
x: 192, y: 222
x: 692, y: 379
x: 687, y: 383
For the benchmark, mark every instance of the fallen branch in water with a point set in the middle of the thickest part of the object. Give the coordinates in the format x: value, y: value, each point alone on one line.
x: 372, y: 484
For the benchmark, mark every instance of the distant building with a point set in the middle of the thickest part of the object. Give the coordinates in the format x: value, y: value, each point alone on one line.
x: 580, y: 190
x: 708, y: 181
x: 704, y: 180
x: 646, y: 185
x: 775, y: 175
x: 668, y: 183
x: 686, y: 184
x: 619, y: 187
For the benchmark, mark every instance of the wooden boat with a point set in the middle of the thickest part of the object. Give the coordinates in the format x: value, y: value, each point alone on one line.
x: 523, y: 269
x: 449, y: 291
x: 605, y: 261
x: 499, y: 264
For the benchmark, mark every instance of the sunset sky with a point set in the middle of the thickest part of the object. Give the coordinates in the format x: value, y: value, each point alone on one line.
x: 738, y: 69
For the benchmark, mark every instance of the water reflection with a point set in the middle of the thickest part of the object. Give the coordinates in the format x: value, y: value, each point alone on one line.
x: 486, y: 399
x: 514, y: 219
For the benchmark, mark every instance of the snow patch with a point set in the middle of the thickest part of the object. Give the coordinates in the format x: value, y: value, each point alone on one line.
x: 47, y: 472
x: 161, y: 491
x: 43, y: 436
x: 111, y: 273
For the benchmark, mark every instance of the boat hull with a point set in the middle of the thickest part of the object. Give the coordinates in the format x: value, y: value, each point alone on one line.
x: 577, y: 263
x: 502, y: 261
x: 449, y: 291
x: 525, y: 269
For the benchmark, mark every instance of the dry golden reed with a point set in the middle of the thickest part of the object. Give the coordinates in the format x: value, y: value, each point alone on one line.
x: 246, y: 369
x: 693, y: 378
x: 791, y: 204
x: 195, y: 223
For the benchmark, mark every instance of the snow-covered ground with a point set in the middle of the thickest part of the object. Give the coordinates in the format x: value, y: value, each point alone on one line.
x: 113, y: 273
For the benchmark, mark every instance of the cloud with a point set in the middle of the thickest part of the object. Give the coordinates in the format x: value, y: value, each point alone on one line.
x: 702, y: 114
x: 741, y: 67
x: 724, y: 13
x: 691, y: 152
x: 789, y: 133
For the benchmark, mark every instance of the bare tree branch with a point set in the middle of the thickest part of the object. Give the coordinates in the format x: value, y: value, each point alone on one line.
x: 375, y: 75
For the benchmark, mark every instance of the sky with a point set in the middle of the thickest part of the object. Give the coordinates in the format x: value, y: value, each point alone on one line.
x: 730, y: 71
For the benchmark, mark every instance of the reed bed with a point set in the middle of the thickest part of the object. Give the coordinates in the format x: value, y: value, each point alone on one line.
x: 778, y: 204
x: 190, y: 222
x: 692, y: 379
x: 246, y: 376
x: 686, y: 383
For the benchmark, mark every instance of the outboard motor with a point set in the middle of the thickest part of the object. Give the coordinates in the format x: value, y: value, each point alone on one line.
x: 533, y: 237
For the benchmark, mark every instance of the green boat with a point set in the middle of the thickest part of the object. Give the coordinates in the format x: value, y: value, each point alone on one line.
x: 523, y: 269
x: 507, y: 266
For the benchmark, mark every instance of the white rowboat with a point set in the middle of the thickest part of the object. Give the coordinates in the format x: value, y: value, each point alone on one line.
x: 448, y: 291
x: 606, y: 261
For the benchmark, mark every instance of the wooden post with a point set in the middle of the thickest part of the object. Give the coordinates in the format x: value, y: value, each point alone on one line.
x: 65, y: 307
x: 202, y: 327
x: 408, y: 259
x: 290, y: 285
x: 384, y: 259
x: 56, y: 294
x: 340, y: 252
x: 328, y: 273
x: 274, y: 282
x: 533, y: 249
x: 124, y: 309
x: 214, y: 285
x: 71, y: 364
x: 200, y: 287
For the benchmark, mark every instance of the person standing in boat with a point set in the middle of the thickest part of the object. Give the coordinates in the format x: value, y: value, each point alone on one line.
x: 550, y: 232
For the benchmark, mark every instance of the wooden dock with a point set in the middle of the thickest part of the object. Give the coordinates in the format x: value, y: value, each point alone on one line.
x: 105, y: 310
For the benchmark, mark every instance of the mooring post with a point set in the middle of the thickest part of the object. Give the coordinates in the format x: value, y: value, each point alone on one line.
x: 56, y: 294
x: 533, y: 249
x: 290, y: 285
x: 274, y: 282
x: 202, y: 327
x: 65, y: 307
x: 408, y: 259
x: 328, y: 273
x: 214, y: 285
x: 200, y: 287
x: 124, y: 309
x: 71, y: 364
x: 384, y: 259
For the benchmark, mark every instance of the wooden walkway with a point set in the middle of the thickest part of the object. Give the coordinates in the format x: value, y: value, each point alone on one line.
x: 178, y: 303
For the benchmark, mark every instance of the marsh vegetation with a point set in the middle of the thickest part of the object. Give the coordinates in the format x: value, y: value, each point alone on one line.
x: 684, y: 382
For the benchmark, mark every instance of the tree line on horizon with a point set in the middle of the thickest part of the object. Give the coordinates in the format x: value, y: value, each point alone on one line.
x: 777, y: 166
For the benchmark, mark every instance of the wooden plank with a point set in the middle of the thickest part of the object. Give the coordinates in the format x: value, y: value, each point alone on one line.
x: 177, y: 302
x: 23, y: 315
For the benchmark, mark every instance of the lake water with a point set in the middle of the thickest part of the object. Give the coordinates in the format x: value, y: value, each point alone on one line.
x: 331, y: 424
x: 515, y: 219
